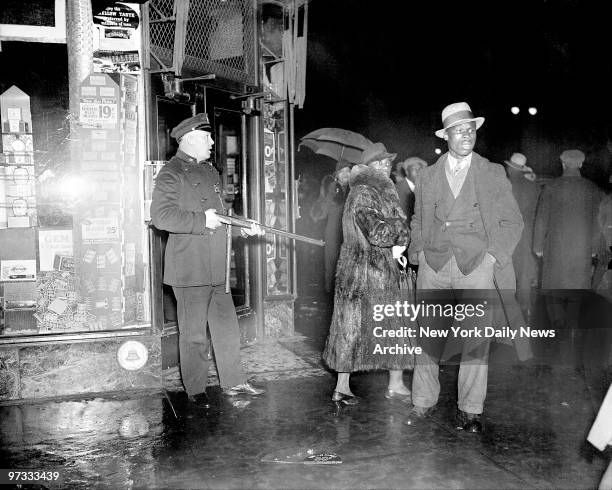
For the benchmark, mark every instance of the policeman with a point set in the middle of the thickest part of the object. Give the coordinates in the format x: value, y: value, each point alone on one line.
x: 186, y: 200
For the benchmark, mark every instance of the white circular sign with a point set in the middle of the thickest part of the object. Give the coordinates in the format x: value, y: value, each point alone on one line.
x: 132, y: 355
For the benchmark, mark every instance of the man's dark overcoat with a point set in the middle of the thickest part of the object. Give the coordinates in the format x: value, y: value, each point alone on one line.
x: 567, y: 232
x: 526, y: 193
x: 406, y: 197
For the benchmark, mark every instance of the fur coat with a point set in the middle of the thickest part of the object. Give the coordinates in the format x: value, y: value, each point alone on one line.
x: 367, y: 274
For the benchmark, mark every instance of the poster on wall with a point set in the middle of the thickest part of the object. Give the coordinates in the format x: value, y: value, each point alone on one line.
x: 52, y: 243
x: 116, y: 37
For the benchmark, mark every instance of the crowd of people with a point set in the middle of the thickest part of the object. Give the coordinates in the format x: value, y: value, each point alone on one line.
x: 473, y: 231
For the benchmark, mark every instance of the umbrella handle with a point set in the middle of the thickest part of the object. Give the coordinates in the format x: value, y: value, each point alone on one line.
x: 402, y: 261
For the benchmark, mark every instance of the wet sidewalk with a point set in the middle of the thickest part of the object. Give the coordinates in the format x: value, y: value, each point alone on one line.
x: 536, y: 424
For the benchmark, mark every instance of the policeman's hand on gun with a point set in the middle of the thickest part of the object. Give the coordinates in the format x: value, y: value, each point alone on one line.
x: 213, y: 222
x: 255, y: 229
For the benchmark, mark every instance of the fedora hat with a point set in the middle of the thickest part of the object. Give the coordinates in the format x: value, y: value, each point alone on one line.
x: 457, y: 113
x: 518, y: 161
x: 412, y: 162
x: 374, y: 152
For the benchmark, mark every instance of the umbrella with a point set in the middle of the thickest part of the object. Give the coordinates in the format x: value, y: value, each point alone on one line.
x: 336, y: 143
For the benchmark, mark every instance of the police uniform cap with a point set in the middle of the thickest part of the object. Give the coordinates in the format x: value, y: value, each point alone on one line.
x: 199, y: 121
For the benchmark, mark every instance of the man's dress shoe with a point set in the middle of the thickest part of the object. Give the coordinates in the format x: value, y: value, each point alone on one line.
x: 469, y: 422
x: 418, y: 414
x: 200, y: 400
x: 338, y: 397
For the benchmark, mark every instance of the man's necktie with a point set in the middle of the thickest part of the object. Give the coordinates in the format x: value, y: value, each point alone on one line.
x: 459, y: 165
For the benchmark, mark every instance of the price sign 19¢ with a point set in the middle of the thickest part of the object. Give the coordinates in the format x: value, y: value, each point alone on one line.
x: 98, y: 114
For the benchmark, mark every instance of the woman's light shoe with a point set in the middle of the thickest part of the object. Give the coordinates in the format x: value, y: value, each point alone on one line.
x: 394, y: 395
x: 338, y: 397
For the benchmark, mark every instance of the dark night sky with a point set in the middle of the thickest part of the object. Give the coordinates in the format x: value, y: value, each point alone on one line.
x: 386, y: 68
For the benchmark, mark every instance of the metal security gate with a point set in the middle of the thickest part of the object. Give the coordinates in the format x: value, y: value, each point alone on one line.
x: 205, y: 36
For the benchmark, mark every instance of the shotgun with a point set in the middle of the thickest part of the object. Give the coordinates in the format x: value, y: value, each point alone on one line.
x: 243, y: 222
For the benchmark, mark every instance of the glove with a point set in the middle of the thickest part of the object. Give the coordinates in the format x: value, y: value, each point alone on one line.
x: 255, y: 229
x: 212, y: 220
x: 397, y: 251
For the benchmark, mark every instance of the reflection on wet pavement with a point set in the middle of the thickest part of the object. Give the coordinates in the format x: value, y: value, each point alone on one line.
x: 535, y: 431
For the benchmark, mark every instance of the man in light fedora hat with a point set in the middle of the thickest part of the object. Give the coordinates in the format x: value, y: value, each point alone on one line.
x: 526, y: 192
x: 518, y: 161
x: 465, y: 226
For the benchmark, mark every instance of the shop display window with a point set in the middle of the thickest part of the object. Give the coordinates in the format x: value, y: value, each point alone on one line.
x: 71, y: 224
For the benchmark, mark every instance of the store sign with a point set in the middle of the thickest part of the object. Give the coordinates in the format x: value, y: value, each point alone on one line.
x: 132, y: 355
x: 117, y: 15
x: 116, y: 39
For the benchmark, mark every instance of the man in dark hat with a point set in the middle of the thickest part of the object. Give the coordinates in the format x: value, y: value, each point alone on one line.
x: 186, y: 201
x: 465, y: 226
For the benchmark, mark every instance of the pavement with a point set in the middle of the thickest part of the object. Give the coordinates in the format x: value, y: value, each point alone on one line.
x: 294, y: 437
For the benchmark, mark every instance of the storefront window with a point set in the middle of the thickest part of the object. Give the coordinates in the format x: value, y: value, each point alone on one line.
x: 71, y: 226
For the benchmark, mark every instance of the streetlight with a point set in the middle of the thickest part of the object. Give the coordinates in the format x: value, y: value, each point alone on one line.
x: 437, y: 151
x: 515, y: 110
x: 533, y: 111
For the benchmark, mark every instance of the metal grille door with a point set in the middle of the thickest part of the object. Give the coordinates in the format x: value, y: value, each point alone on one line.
x: 218, y: 37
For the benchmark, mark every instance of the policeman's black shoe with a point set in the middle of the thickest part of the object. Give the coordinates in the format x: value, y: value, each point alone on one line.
x: 342, y: 398
x: 417, y: 415
x: 200, y: 400
x: 469, y: 422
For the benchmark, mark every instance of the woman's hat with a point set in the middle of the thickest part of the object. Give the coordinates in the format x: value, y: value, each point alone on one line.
x: 374, y: 152
x: 518, y: 161
x: 457, y: 113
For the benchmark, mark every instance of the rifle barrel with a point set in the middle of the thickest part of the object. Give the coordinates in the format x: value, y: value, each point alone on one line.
x: 246, y: 223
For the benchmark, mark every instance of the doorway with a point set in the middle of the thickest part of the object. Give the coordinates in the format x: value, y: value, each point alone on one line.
x: 229, y: 133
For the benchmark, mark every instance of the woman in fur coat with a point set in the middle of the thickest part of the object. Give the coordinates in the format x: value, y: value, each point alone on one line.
x: 375, y: 234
